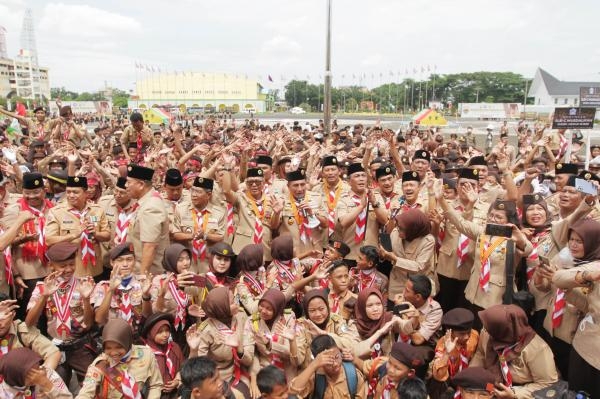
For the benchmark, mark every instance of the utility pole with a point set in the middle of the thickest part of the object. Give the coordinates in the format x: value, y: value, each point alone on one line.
x: 327, y: 90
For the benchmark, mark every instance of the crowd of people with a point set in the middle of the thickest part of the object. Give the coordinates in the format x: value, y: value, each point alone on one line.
x: 218, y: 259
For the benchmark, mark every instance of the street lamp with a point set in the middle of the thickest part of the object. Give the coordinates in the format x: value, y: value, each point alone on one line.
x: 327, y: 89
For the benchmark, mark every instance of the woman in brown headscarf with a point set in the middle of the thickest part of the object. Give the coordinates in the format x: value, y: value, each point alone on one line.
x: 584, y: 359
x: 373, y: 324
x: 122, y: 369
x: 24, y: 376
x: 222, y: 338
x: 274, y: 331
x: 509, y: 347
x: 413, y: 250
x: 251, y: 278
x: 285, y: 269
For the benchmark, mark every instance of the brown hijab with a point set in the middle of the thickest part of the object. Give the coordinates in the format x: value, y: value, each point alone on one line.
x: 414, y: 223
x: 172, y: 253
x: 589, y: 231
x: 507, y: 326
x: 15, y: 365
x: 217, y: 305
x: 250, y: 258
x: 119, y: 331
x: 282, y: 248
x: 365, y: 326
x: 277, y: 300
x: 312, y: 294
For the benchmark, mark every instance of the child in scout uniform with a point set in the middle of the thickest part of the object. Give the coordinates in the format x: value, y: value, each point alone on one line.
x: 201, y: 379
x: 285, y: 268
x: 199, y: 224
x: 385, y: 374
x: 122, y: 370
x: 66, y: 303
x: 156, y: 333
x: 474, y: 382
x: 125, y: 295
x: 251, y: 278
x: 365, y: 275
x: 327, y: 376
x: 23, y: 376
x: 272, y: 383
x: 339, y: 292
x: 274, y: 330
x: 15, y: 334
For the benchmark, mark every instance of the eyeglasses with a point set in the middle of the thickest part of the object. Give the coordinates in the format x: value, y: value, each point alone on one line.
x: 253, y: 182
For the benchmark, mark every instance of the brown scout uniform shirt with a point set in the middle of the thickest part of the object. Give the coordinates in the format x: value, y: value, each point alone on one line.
x: 245, y: 224
x: 347, y: 205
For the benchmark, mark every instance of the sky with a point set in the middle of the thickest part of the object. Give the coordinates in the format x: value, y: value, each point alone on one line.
x: 88, y: 44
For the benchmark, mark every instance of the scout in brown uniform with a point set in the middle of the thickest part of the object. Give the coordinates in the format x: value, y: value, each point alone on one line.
x: 29, y: 247
x: 199, y: 224
x: 357, y: 212
x: 562, y: 171
x: 489, y: 193
x: 65, y: 128
x: 365, y: 275
x: 137, y: 134
x: 273, y: 186
x: 149, y: 230
x: 119, y: 209
x: 421, y: 164
x: 301, y: 216
x: 125, y: 295
x: 66, y: 301
x: 254, y: 210
x: 14, y: 334
x: 388, y: 194
x: 174, y: 194
x: 251, y: 282
x: 339, y: 292
x: 412, y: 188
x: 123, y: 370
x: 200, y: 379
x: 7, y: 237
x: 57, y: 186
x: 331, y: 191
x: 474, y: 382
x: 81, y: 222
x: 40, y: 127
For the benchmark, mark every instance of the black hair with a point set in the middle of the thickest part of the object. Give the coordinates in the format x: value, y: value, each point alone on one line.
x: 194, y: 372
x: 136, y: 117
x: 421, y: 285
x: 269, y: 377
x: 338, y: 263
x: 412, y: 388
x: 371, y: 253
x: 321, y: 343
x: 4, y: 297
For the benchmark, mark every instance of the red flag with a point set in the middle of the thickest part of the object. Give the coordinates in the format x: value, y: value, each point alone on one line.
x: 21, y: 110
x: 270, y: 78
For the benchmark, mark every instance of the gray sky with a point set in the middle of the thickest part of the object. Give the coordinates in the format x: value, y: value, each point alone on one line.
x: 88, y: 43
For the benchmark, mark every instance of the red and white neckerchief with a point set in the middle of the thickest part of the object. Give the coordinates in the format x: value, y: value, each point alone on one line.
x: 63, y: 308
x: 88, y: 255
x: 387, y: 201
x: 123, y: 222
x: 486, y: 247
x: 405, y: 338
x: 284, y: 272
x: 230, y: 225
x: 181, y: 299
x: 8, y: 274
x: 199, y: 246
x: 335, y: 306
x: 275, y: 359
x: 366, y: 279
x: 129, y: 386
x: 139, y: 143
x: 332, y: 199
x: 532, y: 259
x: 216, y: 281
x: 30, y: 227
x: 168, y: 361
x: 258, y: 208
x: 361, y: 221
x: 237, y: 365
x: 560, y: 303
x: 504, y: 366
x: 463, y: 363
x: 387, y: 389
x: 562, y: 146
x: 462, y: 251
x: 125, y: 307
x: 301, y: 219
x: 407, y: 207
x: 256, y: 287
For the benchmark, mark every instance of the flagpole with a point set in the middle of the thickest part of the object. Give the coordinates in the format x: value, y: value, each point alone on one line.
x: 327, y: 89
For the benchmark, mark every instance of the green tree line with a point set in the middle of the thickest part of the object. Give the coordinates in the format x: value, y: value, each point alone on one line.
x: 410, y: 95
x: 119, y: 97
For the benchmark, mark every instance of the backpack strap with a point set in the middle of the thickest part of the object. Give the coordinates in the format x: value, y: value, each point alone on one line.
x: 351, y: 378
x: 320, y: 385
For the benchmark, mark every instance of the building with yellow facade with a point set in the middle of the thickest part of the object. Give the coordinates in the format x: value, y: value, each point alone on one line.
x: 200, y: 91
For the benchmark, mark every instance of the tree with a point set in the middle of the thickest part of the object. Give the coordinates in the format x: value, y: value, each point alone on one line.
x: 120, y: 98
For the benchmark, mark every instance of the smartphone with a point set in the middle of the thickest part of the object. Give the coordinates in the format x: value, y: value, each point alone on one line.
x: 399, y: 309
x: 544, y: 260
x: 498, y: 230
x: 199, y: 280
x: 585, y: 187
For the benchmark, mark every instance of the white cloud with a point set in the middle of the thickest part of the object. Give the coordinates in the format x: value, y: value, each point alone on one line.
x: 83, y: 21
x: 372, y: 60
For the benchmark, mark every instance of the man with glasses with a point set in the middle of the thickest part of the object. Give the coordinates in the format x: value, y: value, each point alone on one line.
x: 199, y: 224
x: 562, y: 173
x: 255, y: 211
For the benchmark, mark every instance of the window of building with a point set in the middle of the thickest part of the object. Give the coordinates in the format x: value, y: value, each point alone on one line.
x: 566, y: 100
x: 575, y: 101
x: 556, y: 101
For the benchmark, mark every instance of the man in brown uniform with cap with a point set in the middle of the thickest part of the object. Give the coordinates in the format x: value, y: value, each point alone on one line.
x: 199, y: 224
x: 149, y: 232
x: 562, y: 172
x: 331, y: 191
x: 65, y: 300
x: 174, y: 194
x: 28, y: 249
x: 80, y: 222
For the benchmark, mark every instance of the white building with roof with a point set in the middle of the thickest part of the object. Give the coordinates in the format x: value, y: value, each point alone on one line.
x: 549, y: 91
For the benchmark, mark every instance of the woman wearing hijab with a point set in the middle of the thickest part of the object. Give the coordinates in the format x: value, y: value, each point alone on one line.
x: 285, y: 268
x: 318, y: 320
x: 222, y: 338
x: 509, y: 347
x: 251, y: 278
x: 413, y: 250
x: 174, y: 291
x: 584, y: 361
x: 156, y: 333
x: 274, y: 330
x: 24, y: 377
x: 487, y: 282
x: 122, y: 370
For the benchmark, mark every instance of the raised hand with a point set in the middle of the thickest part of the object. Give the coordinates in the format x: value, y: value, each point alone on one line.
x: 85, y: 286
x: 193, y: 337
x: 51, y: 283
x: 146, y: 283
x: 115, y: 278
x: 195, y: 310
x: 449, y: 343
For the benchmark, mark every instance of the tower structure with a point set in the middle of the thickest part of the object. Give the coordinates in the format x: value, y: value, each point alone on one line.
x: 3, y: 51
x: 26, y: 66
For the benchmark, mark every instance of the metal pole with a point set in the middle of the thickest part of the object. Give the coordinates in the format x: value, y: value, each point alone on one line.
x: 327, y: 89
